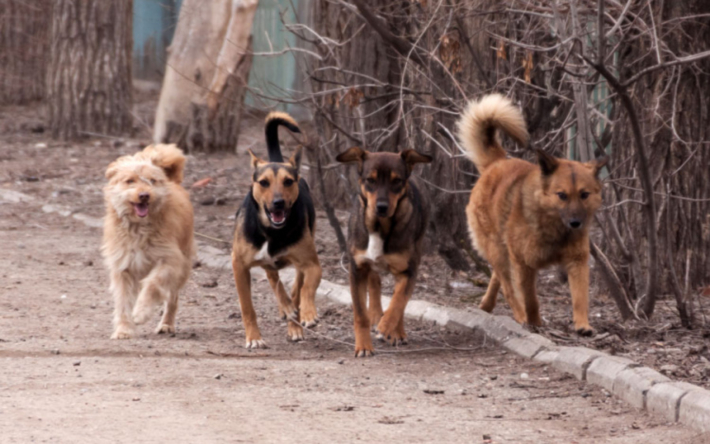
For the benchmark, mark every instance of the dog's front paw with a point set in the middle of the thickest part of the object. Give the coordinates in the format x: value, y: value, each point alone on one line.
x: 165, y: 328
x: 309, y: 317
x: 388, y: 331
x: 295, y: 332
x: 122, y: 332
x: 375, y: 319
x: 585, y: 331
x: 255, y: 343
x: 141, y: 313
x: 289, y: 312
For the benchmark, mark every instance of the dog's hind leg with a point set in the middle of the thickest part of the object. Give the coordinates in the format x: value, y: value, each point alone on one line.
x: 515, y: 304
x: 488, y: 303
x: 524, y: 285
x: 167, y: 322
x: 374, y: 288
x: 391, y: 326
x: 295, y: 331
x: 311, y: 280
x: 287, y: 309
x: 124, y: 289
x: 296, y: 289
x: 361, y: 322
x: 242, y: 279
x: 155, y: 290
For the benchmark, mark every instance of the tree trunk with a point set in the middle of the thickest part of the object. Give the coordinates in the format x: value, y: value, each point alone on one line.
x: 89, y: 73
x: 205, y: 81
x: 23, y: 49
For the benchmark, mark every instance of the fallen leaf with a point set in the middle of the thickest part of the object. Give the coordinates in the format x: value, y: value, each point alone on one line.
x: 202, y: 182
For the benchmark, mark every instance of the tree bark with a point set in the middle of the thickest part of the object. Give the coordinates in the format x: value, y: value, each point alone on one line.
x: 89, y: 73
x: 24, y: 44
x: 209, y: 61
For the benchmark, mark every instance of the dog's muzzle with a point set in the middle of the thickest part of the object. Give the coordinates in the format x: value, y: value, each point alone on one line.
x: 381, y: 208
x: 141, y: 208
x: 278, y: 213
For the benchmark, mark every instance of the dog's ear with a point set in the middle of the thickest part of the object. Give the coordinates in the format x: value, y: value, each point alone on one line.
x: 597, y: 164
x: 255, y: 161
x: 412, y: 157
x: 548, y: 164
x: 354, y: 154
x: 295, y: 159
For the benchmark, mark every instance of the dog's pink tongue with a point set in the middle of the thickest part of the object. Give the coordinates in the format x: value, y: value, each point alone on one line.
x: 141, y: 209
x: 278, y: 216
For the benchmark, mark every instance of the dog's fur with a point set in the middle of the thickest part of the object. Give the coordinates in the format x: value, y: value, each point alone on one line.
x: 275, y: 227
x: 523, y: 217
x: 386, y: 230
x: 148, y: 236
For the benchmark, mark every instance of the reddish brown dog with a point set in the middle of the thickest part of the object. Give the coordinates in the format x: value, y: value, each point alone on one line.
x: 386, y: 230
x: 524, y: 217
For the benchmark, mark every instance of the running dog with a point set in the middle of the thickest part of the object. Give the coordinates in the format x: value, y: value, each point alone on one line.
x: 386, y: 229
x: 523, y: 217
x: 275, y: 227
x: 148, y: 236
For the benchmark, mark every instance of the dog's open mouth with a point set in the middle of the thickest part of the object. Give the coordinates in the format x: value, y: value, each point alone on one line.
x: 141, y: 209
x: 277, y: 217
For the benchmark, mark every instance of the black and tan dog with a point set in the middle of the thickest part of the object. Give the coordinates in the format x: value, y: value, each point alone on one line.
x: 275, y: 228
x: 386, y: 230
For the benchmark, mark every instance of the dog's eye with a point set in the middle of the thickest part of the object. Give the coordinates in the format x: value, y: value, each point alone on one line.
x: 584, y: 195
x: 152, y: 181
x: 562, y: 196
x: 288, y: 182
x: 130, y: 181
x: 264, y: 183
x: 397, y: 182
x: 370, y: 181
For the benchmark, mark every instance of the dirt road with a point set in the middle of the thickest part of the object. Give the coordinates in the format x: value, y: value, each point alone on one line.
x: 63, y: 381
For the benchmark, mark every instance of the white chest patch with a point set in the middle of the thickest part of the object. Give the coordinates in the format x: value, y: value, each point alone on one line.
x: 375, y: 247
x: 263, y: 254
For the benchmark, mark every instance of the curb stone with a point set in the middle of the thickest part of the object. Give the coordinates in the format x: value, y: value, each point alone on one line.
x: 525, y: 347
x: 639, y: 386
x: 575, y: 360
x: 603, y: 370
x: 632, y: 384
x: 664, y: 399
x: 695, y: 410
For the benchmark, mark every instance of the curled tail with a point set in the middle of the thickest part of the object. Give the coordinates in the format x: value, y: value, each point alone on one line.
x: 479, y: 125
x: 168, y: 157
x: 273, y: 120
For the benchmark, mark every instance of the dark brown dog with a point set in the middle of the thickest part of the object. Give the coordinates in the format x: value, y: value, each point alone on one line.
x: 275, y: 228
x: 524, y: 217
x: 386, y: 230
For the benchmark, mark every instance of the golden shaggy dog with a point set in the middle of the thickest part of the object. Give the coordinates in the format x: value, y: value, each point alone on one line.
x: 524, y: 217
x: 148, y: 239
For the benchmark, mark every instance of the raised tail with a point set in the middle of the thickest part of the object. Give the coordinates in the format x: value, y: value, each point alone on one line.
x: 273, y: 120
x: 168, y: 157
x: 479, y: 125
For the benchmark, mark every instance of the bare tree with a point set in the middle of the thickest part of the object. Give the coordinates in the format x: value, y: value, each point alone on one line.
x: 89, y: 72
x: 24, y: 45
x: 205, y: 81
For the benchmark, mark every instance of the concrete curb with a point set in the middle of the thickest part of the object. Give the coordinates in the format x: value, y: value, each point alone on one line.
x: 639, y: 386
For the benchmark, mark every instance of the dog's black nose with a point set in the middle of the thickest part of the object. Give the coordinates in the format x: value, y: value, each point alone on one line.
x: 575, y: 223
x: 382, y: 208
x: 278, y: 204
x: 143, y: 197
